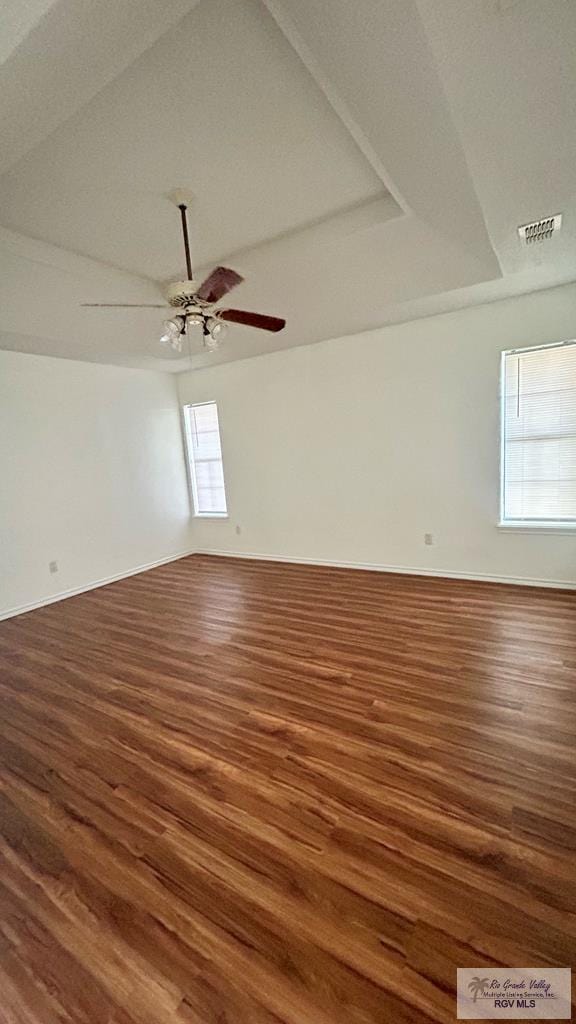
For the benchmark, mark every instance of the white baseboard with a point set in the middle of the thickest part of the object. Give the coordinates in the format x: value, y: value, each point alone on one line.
x: 519, y: 581
x: 64, y: 594
x: 367, y: 566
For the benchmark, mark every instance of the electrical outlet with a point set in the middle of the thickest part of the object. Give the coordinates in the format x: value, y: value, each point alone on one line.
x: 428, y: 538
x: 53, y: 567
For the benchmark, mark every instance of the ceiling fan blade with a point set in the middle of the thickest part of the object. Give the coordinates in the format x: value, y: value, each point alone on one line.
x: 218, y: 283
x: 126, y: 305
x: 240, y: 316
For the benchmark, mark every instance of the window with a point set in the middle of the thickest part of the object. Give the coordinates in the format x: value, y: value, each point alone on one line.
x: 539, y: 436
x: 205, y: 459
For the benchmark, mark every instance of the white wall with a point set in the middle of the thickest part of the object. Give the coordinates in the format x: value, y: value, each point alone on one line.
x: 352, y: 449
x: 91, y: 475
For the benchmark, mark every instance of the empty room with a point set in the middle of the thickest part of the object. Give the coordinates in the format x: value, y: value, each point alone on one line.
x: 287, y: 511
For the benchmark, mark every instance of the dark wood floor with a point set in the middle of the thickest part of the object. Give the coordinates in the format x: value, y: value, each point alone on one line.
x: 250, y: 793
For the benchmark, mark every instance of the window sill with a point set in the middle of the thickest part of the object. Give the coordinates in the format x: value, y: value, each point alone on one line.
x: 528, y: 527
x: 211, y: 515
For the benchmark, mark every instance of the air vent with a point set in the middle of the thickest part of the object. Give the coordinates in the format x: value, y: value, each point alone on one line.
x: 540, y: 230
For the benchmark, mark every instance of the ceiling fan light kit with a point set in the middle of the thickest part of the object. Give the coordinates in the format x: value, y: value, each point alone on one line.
x: 196, y: 303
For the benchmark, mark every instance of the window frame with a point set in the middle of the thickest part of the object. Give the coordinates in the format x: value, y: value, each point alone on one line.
x: 536, y: 526
x: 191, y: 463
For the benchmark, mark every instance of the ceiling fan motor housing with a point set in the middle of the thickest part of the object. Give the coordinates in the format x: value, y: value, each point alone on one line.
x: 181, y: 293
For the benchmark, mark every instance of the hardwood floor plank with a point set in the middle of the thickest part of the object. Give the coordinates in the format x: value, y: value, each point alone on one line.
x: 238, y: 792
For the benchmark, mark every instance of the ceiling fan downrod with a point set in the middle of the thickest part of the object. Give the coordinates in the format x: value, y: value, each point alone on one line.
x: 182, y: 207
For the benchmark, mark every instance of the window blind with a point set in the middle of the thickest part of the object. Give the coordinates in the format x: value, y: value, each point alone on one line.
x: 539, y: 435
x: 205, y: 456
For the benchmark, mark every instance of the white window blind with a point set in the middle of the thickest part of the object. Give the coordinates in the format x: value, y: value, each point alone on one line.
x: 205, y: 458
x: 539, y: 435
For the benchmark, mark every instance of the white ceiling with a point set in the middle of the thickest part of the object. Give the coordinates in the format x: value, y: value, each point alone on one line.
x: 16, y: 21
x: 256, y: 142
x: 510, y: 78
x: 358, y: 163
x: 57, y: 54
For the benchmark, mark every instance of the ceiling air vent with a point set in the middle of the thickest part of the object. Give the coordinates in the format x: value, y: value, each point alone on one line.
x: 540, y: 230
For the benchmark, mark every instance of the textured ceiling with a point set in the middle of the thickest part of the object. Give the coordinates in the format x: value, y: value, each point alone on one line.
x: 358, y: 163
x: 254, y: 139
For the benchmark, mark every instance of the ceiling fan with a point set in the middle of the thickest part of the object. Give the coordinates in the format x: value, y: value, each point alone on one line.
x: 196, y: 305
